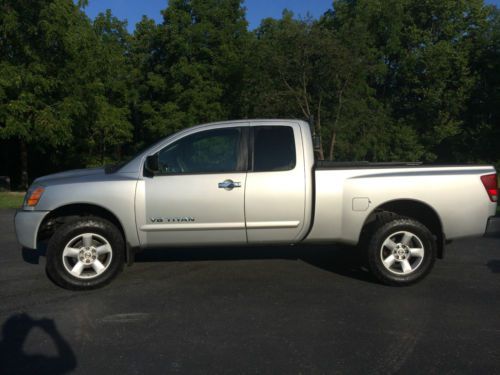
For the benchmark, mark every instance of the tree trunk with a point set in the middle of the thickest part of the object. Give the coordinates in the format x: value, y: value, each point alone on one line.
x: 334, y: 133
x: 103, y: 148
x: 321, y: 153
x: 332, y: 144
x: 24, y: 164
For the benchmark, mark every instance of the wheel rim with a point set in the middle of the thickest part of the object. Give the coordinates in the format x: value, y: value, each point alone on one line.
x: 402, y: 253
x: 87, y: 256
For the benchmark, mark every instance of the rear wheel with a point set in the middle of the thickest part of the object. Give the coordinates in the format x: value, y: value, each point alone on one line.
x: 401, y: 251
x: 86, y: 253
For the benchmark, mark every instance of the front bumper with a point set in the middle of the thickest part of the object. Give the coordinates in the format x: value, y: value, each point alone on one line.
x: 27, y: 224
x: 493, y: 227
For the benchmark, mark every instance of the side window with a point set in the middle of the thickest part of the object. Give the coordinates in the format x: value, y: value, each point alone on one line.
x: 210, y: 151
x: 274, y: 148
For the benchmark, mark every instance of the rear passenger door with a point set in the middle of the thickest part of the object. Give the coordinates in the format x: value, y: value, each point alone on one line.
x: 275, y: 187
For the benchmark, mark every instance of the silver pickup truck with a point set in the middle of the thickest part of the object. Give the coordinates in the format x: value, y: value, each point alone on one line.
x: 251, y: 182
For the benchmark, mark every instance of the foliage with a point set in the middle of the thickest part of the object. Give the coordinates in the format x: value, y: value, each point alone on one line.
x: 384, y: 79
x: 189, y: 69
x: 61, y: 80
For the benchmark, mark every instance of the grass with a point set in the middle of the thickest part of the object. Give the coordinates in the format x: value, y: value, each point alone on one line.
x: 11, y: 199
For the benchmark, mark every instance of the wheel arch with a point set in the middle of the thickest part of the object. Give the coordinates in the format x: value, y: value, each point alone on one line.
x: 414, y: 209
x: 67, y: 212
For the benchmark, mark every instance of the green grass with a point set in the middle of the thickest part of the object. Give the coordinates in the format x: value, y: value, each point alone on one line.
x: 11, y: 199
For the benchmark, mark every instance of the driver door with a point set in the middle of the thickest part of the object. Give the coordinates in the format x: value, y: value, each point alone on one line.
x: 197, y: 198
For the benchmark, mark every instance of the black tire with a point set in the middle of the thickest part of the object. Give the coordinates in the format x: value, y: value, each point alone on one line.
x: 104, y: 234
x: 388, y: 243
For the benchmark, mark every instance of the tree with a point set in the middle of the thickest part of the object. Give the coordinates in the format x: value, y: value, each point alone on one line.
x: 62, y: 81
x: 385, y: 79
x: 107, y: 91
x: 480, y: 138
x: 36, y: 40
x: 425, y: 47
x: 189, y: 69
x: 303, y: 69
x: 148, y: 84
x: 298, y: 72
x: 204, y: 40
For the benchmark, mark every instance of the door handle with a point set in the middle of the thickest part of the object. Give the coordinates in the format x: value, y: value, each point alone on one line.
x: 229, y: 185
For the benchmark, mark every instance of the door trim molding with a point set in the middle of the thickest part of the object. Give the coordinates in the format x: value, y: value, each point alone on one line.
x: 272, y: 224
x: 190, y: 226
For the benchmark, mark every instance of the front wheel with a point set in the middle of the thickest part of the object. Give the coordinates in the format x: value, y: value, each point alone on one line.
x: 401, y: 252
x: 86, y: 253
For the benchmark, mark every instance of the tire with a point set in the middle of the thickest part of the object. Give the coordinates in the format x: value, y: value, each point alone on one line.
x: 401, y: 251
x: 86, y: 253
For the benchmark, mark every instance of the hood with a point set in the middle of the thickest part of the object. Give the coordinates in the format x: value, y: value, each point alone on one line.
x: 75, y: 173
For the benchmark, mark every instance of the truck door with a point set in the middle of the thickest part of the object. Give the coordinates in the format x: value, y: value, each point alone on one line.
x: 198, y: 196
x: 276, y: 187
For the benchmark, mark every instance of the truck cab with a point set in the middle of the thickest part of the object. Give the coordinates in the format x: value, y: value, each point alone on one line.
x: 234, y: 183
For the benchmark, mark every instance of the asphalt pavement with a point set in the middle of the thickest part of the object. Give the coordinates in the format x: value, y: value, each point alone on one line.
x: 269, y: 310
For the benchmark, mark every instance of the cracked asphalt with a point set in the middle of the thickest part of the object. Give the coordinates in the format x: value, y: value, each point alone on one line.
x: 268, y: 310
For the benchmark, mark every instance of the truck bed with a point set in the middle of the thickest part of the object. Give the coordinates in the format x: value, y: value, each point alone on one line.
x: 347, y: 193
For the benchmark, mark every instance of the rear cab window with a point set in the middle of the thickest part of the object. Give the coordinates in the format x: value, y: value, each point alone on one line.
x: 273, y: 149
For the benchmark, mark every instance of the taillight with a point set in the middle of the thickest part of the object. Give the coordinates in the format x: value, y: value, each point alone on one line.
x: 490, y: 184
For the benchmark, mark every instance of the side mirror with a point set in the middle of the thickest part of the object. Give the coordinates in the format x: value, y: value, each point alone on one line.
x: 152, y: 164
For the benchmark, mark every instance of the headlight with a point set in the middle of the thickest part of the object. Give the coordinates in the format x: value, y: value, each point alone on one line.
x: 33, y: 196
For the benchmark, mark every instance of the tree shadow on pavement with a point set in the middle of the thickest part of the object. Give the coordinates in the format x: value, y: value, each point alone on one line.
x: 13, y: 359
x: 342, y: 260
